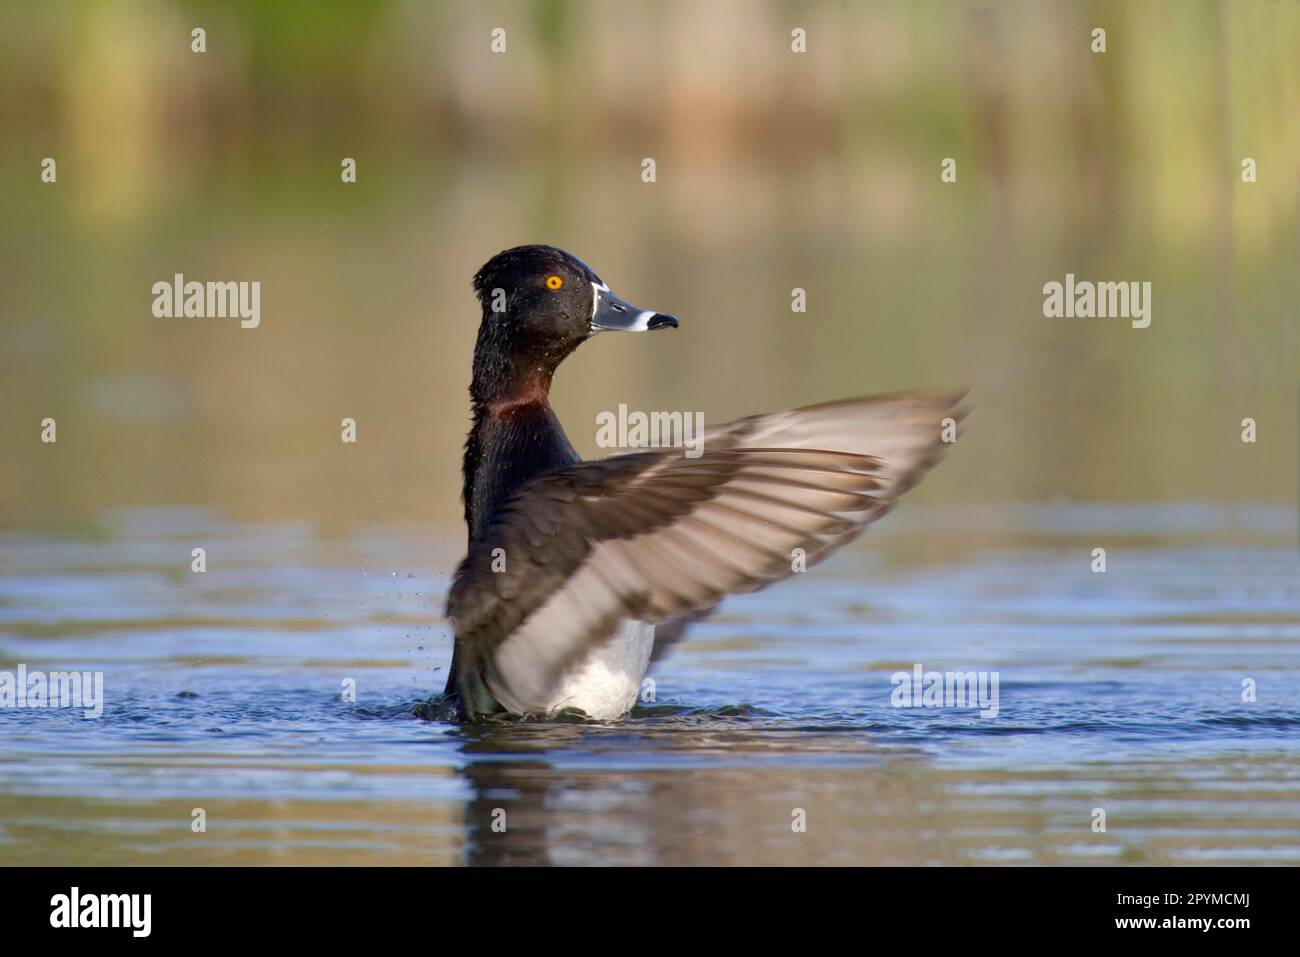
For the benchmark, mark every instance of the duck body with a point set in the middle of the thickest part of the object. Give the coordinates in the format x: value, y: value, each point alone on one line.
x: 510, y: 444
x: 576, y: 570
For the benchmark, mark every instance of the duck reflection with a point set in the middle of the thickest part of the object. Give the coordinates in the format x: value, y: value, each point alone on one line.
x: 734, y: 790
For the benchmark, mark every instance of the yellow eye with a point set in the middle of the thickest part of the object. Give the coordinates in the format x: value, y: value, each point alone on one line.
x: 554, y: 282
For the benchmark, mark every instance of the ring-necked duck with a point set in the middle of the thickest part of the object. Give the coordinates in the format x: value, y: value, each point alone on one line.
x: 577, y: 570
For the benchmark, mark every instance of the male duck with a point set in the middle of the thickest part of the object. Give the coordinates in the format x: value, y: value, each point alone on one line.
x: 576, y: 570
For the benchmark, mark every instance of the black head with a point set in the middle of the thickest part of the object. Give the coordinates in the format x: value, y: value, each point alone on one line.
x: 539, y: 304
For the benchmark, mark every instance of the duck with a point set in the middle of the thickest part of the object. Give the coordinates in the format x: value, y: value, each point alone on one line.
x: 578, y: 574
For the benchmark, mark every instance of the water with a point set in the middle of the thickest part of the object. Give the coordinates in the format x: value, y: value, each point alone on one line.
x: 1119, y: 691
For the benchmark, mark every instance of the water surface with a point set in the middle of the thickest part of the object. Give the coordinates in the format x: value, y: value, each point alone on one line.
x: 1120, y: 691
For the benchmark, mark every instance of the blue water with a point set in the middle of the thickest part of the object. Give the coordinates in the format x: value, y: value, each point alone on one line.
x: 1118, y: 692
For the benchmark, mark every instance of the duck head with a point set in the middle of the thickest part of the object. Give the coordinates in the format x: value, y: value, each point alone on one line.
x: 539, y: 304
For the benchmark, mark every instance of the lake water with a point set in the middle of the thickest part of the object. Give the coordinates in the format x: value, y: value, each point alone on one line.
x: 1119, y: 691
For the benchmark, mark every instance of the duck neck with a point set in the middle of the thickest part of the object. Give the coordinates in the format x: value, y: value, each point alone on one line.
x: 515, y: 437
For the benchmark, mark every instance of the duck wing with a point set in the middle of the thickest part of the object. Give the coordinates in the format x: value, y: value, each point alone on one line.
x: 655, y: 535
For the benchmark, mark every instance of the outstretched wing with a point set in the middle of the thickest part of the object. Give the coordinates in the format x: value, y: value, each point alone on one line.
x: 656, y: 535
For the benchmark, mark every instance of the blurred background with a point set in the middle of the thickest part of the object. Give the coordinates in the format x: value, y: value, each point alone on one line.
x: 774, y: 170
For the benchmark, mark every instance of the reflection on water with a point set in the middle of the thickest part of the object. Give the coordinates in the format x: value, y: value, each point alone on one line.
x: 1119, y: 691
